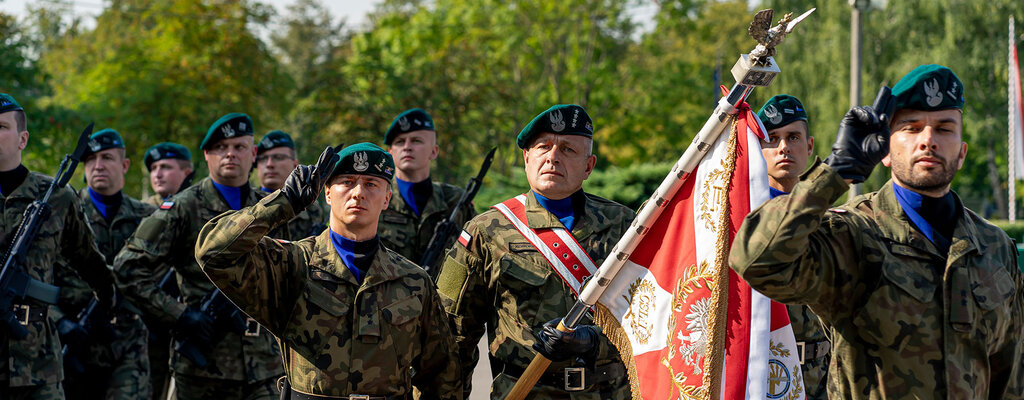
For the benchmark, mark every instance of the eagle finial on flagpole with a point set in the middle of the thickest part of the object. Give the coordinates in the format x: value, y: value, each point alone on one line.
x: 767, y: 36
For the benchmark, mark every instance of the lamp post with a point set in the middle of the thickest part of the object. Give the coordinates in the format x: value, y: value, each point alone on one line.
x: 859, y: 6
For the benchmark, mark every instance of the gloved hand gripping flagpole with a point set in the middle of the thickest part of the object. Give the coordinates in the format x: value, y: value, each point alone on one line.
x: 751, y: 70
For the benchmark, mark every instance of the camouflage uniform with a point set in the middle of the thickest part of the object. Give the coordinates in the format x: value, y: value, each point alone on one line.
x: 310, y: 222
x: 154, y: 200
x: 166, y: 240
x: 408, y: 234
x: 906, y: 322
x: 31, y: 367
x: 807, y: 330
x: 123, y: 363
x: 341, y: 337
x: 501, y: 280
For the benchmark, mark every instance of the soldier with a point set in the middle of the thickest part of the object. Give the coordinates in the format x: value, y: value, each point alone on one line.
x: 30, y: 367
x: 115, y: 367
x: 922, y: 297
x: 275, y: 159
x: 356, y: 319
x: 408, y: 223
x: 240, y: 365
x: 170, y: 170
x: 789, y: 145
x: 496, y: 276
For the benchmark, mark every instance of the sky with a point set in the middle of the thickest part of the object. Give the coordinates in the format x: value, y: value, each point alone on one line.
x: 354, y: 11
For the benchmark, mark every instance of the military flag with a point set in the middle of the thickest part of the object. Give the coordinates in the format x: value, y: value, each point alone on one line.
x: 1016, y: 121
x: 683, y: 321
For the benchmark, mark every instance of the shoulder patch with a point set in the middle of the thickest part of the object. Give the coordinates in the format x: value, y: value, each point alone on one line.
x: 166, y: 205
x: 464, y: 239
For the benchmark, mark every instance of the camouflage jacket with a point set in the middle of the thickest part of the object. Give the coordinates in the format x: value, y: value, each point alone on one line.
x: 906, y: 321
x: 310, y: 222
x: 807, y: 329
x: 154, y: 200
x: 110, y: 237
x: 35, y: 360
x: 501, y: 280
x: 408, y: 234
x: 340, y: 337
x: 167, y: 240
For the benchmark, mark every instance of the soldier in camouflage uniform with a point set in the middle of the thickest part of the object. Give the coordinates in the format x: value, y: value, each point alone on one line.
x: 240, y: 366
x: 354, y: 317
x: 114, y: 367
x: 922, y: 297
x: 275, y: 159
x: 170, y: 171
x: 786, y: 151
x: 408, y: 223
x: 30, y: 367
x: 495, y: 277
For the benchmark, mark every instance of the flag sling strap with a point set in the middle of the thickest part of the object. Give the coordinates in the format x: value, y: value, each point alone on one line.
x: 557, y: 245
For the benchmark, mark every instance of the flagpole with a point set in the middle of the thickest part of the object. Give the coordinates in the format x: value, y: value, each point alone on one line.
x: 1012, y: 129
x: 751, y: 70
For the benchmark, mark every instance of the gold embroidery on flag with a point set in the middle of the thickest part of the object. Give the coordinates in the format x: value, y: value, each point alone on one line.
x: 641, y: 298
x: 784, y: 382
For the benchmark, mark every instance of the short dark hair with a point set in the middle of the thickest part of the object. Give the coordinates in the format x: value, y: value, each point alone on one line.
x: 19, y: 119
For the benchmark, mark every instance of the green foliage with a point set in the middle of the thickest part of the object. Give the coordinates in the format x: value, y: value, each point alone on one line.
x: 1013, y: 229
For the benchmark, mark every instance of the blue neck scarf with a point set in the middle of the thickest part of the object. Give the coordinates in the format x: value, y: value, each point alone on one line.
x: 934, y: 217
x: 106, y: 205
x: 357, y: 256
x: 773, y: 192
x: 266, y: 190
x: 564, y: 209
x: 231, y: 194
x: 415, y: 194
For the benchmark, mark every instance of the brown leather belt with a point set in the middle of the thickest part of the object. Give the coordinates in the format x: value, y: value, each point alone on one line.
x: 808, y: 351
x: 572, y: 379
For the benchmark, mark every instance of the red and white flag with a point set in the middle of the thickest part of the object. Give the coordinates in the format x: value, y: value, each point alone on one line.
x: 682, y: 320
x: 1016, y: 111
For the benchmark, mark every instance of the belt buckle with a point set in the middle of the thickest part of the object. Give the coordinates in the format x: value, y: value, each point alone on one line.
x: 252, y: 328
x: 573, y: 373
x: 358, y: 397
x: 801, y: 347
x: 24, y: 311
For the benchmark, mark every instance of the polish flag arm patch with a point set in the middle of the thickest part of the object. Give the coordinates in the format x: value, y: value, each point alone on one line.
x: 166, y: 205
x: 464, y: 239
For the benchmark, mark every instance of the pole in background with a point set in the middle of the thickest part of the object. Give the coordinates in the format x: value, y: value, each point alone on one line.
x: 1014, y: 108
x: 859, y: 6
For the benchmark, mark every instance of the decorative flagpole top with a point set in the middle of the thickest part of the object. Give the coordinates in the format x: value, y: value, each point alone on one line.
x: 767, y: 36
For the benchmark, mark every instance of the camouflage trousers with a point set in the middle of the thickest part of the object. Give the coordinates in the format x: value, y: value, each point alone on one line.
x: 117, y: 370
x: 53, y: 391
x: 198, y: 388
x: 815, y: 373
x: 159, y: 363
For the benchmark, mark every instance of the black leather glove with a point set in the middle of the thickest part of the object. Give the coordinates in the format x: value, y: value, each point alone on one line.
x: 196, y: 324
x: 862, y: 141
x: 556, y: 345
x: 306, y: 181
x: 107, y: 297
x: 71, y: 333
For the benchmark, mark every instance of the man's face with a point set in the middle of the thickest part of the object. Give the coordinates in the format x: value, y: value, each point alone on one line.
x: 274, y: 165
x: 230, y: 160
x: 167, y: 175
x: 557, y: 165
x: 926, y: 150
x: 12, y: 142
x: 787, y: 152
x: 356, y: 201
x: 413, y: 151
x: 105, y: 170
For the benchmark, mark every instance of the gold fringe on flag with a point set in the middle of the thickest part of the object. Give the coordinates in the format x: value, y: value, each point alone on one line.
x: 613, y: 330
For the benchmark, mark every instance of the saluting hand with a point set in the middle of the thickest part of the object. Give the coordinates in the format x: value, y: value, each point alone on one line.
x: 306, y: 181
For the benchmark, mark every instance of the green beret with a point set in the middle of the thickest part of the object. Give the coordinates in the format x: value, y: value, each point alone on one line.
x: 102, y: 140
x: 563, y: 119
x: 781, y: 110
x: 227, y: 127
x: 273, y: 140
x: 7, y: 103
x: 365, y: 159
x: 410, y: 120
x: 166, y: 150
x: 929, y: 88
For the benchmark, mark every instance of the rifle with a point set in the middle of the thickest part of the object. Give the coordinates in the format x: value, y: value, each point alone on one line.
x: 446, y: 228
x: 15, y: 283
x: 226, y: 317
